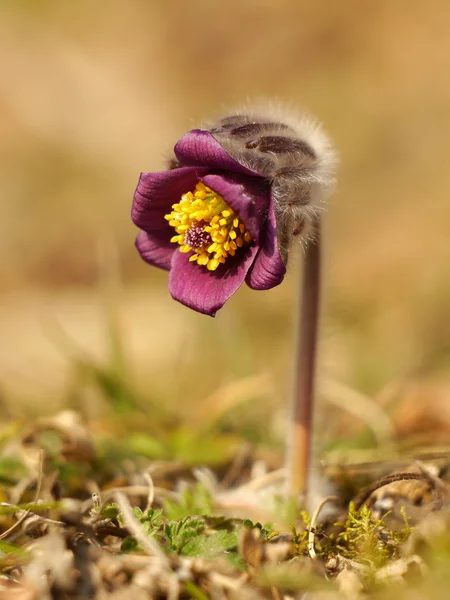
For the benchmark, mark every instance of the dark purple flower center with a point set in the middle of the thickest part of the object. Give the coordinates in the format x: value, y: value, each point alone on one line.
x: 196, y: 237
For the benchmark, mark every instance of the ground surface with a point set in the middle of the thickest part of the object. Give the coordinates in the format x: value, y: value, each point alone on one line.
x: 91, y: 516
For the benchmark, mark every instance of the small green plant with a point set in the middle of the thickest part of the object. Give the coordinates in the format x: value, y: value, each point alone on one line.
x: 110, y: 511
x: 368, y: 540
x: 151, y: 521
x: 401, y: 536
x: 300, y: 538
x: 179, y: 533
x: 267, y: 531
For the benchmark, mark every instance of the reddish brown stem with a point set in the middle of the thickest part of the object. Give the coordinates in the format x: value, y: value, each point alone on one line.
x: 299, y: 452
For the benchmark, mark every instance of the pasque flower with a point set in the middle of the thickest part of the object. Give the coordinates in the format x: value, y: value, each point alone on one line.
x: 226, y: 211
x: 211, y: 218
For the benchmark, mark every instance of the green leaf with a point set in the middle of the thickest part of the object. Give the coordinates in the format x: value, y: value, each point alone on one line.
x: 130, y: 544
x: 179, y: 533
x: 210, y: 546
x: 111, y: 511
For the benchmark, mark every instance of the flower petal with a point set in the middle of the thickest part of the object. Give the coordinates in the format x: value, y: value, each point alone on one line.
x: 207, y: 291
x: 200, y: 148
x: 155, y: 194
x: 268, y: 270
x: 249, y: 197
x: 155, y: 251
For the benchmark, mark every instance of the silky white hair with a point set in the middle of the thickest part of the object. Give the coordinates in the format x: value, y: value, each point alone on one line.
x: 289, y: 149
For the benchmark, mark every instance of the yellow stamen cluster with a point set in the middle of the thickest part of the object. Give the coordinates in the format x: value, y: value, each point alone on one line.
x: 207, y: 226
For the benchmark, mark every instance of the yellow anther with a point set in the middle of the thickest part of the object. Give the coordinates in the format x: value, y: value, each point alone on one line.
x: 206, y: 226
x: 213, y: 264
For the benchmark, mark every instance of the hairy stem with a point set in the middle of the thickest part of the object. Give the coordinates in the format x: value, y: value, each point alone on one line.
x: 299, y: 450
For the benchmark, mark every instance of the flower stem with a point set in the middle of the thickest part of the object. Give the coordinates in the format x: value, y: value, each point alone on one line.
x: 299, y: 449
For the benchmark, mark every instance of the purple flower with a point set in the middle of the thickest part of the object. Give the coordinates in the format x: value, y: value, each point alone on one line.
x: 210, y: 222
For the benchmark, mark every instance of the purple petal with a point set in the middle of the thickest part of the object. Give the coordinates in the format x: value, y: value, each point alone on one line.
x: 155, y: 194
x: 207, y: 291
x: 156, y: 252
x: 200, y: 148
x: 268, y: 270
x: 248, y: 196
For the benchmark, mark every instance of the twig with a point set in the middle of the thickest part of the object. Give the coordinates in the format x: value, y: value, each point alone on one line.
x: 229, y: 583
x: 173, y: 587
x: 151, y: 491
x: 312, y: 526
x: 104, y: 530
x: 364, y: 494
x: 36, y: 498
x: 264, y: 480
x: 276, y: 595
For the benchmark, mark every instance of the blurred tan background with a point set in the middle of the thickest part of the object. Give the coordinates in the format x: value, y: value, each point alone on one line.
x: 92, y: 93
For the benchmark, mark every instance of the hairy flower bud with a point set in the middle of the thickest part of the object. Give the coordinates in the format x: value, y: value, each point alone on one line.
x: 293, y: 153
